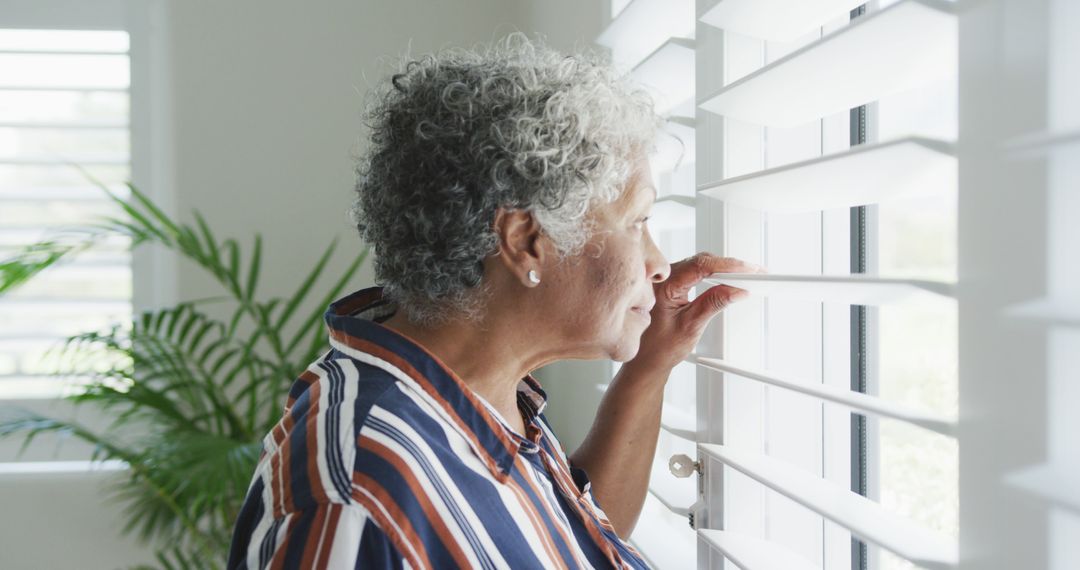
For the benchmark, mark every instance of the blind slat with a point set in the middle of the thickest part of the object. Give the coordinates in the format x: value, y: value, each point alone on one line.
x: 776, y: 20
x: 643, y: 25
x: 867, y: 174
x: 62, y: 88
x: 855, y: 401
x: 863, y: 517
x: 678, y: 422
x: 846, y: 289
x: 668, y: 73
x: 1041, y: 142
x: 1051, y: 483
x: 60, y: 52
x: 80, y: 125
x: 901, y: 47
x: 752, y: 553
x: 668, y: 504
x: 98, y: 160
x: 662, y: 544
x: 1050, y: 311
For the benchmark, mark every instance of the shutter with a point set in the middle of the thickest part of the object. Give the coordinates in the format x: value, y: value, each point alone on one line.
x: 903, y: 46
x: 63, y: 99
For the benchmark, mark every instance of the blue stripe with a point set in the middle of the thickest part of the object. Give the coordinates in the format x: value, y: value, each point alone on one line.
x: 473, y: 416
x: 481, y: 491
x: 402, y: 495
x: 440, y: 486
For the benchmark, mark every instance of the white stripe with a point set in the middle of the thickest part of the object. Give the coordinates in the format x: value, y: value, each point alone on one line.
x: 456, y: 497
x: 321, y: 464
x: 346, y: 416
x: 254, y: 545
x: 345, y: 544
x: 393, y: 524
x: 549, y: 490
x: 282, y: 533
x: 327, y: 412
x: 408, y: 381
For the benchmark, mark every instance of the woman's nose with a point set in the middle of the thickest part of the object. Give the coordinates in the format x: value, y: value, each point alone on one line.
x: 657, y: 268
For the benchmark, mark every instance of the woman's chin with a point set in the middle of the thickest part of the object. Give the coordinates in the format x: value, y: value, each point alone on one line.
x: 626, y: 350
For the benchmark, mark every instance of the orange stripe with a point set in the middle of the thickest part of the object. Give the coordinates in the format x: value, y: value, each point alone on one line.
x: 378, y: 351
x: 433, y: 516
x: 275, y: 481
x: 547, y: 507
x: 403, y: 543
x: 562, y: 476
x: 534, y: 516
x: 314, y: 537
x: 307, y: 377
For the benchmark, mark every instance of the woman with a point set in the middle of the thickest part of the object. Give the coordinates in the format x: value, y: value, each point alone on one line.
x: 505, y: 193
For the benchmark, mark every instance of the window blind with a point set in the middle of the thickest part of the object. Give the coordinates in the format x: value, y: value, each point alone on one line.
x: 64, y: 101
x: 892, y: 49
x: 825, y: 70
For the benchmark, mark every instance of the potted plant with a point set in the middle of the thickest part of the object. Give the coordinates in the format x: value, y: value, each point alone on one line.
x: 189, y: 396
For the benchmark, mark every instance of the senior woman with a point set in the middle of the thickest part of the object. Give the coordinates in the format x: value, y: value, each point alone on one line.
x: 505, y: 192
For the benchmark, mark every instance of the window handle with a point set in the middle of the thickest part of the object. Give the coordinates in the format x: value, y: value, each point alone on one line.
x: 682, y: 466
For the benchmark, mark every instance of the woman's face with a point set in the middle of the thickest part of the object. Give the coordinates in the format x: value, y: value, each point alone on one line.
x: 606, y: 292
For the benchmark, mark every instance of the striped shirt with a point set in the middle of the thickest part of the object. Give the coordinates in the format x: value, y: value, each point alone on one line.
x: 384, y: 458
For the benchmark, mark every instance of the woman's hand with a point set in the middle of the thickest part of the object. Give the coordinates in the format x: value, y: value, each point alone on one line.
x: 677, y: 322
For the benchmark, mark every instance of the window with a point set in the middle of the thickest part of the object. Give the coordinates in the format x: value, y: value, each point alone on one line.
x: 83, y: 84
x: 63, y: 99
x: 824, y: 135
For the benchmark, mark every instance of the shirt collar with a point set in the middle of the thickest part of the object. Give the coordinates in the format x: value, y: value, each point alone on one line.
x: 353, y: 323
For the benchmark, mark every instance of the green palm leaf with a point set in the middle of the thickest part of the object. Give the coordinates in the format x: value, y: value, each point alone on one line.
x: 189, y: 398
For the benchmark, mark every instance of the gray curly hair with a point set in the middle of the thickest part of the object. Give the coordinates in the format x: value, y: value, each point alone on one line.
x: 458, y: 134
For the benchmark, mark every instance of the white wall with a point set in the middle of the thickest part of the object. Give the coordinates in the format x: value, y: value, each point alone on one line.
x: 265, y: 99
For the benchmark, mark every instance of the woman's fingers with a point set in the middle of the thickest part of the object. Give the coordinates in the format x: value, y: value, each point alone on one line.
x: 711, y: 302
x: 689, y: 272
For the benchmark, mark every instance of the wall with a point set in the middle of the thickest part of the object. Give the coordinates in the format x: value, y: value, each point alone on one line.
x: 263, y: 120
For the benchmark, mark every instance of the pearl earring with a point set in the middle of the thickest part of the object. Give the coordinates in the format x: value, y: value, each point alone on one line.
x: 533, y: 277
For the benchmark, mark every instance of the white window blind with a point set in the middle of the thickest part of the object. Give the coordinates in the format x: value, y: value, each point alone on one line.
x: 823, y: 147
x: 63, y: 100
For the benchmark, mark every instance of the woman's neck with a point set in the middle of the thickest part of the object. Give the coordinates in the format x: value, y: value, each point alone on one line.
x: 491, y: 359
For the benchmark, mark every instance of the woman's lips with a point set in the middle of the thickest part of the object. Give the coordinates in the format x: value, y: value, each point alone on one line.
x: 642, y: 312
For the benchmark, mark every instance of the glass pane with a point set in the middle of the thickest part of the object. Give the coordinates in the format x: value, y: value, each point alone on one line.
x: 64, y: 40
x: 64, y: 70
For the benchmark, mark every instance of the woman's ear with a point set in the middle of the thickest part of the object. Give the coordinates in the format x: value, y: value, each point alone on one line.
x: 520, y: 247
